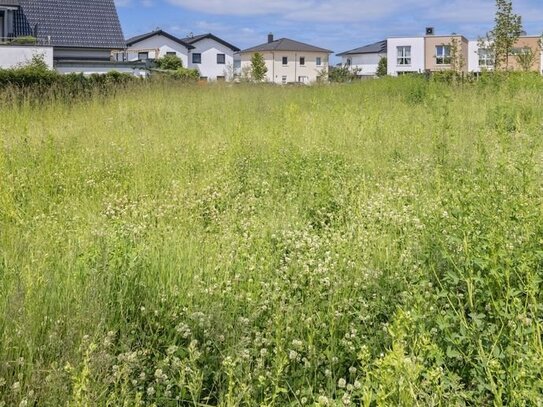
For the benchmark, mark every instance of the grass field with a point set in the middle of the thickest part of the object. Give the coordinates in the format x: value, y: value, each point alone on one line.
x: 377, y: 244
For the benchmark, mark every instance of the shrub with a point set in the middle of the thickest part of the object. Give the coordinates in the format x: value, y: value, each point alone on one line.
x: 26, y: 40
x: 169, y: 62
x: 187, y: 75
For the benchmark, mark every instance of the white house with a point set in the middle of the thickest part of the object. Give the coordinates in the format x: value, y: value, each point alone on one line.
x: 72, y: 36
x: 211, y: 56
x: 365, y: 60
x: 155, y: 45
x: 289, y: 61
x: 405, y: 55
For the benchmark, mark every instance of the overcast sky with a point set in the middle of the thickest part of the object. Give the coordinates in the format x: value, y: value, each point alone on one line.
x: 339, y: 25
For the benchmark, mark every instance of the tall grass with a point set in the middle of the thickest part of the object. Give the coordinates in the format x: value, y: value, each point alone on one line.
x: 372, y: 244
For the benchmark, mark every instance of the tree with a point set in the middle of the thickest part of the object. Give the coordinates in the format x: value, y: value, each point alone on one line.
x: 382, y: 68
x: 458, y: 61
x: 258, y: 67
x: 526, y: 58
x: 501, y: 40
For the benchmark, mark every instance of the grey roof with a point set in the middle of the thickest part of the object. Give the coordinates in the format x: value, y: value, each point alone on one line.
x: 71, y: 23
x: 195, y: 38
x: 286, y: 44
x: 379, y: 47
x: 139, y: 38
x: 9, y: 3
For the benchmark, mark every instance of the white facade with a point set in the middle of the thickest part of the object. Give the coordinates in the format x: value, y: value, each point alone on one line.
x: 366, y: 64
x: 315, y: 64
x: 211, y: 55
x: 405, y: 55
x: 156, y: 47
x: 15, y: 56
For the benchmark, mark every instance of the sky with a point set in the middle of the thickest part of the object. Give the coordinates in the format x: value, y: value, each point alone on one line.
x: 339, y: 25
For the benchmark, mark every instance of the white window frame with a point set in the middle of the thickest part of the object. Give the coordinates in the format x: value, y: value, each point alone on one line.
x: 284, y: 79
x: 485, y: 58
x: 404, y: 57
x: 319, y: 61
x: 302, y: 59
x: 443, y: 54
x: 283, y: 61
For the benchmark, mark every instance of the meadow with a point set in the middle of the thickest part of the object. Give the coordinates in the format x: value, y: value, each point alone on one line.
x: 373, y: 244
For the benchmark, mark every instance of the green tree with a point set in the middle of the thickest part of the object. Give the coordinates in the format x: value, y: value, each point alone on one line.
x: 382, y: 68
x: 458, y: 62
x: 258, y: 67
x: 526, y: 58
x: 505, y: 34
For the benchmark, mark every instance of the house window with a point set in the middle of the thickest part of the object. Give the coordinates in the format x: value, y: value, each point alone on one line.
x: 221, y: 59
x: 196, y: 58
x: 319, y: 61
x: 171, y: 53
x: 285, y: 60
x: 303, y: 79
x: 404, y: 55
x: 142, y: 56
x: 443, y: 55
x: 349, y: 61
x: 284, y: 80
x: 302, y: 61
x: 485, y: 58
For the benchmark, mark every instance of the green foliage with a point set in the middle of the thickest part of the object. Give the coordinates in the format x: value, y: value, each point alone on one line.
x: 377, y: 244
x: 343, y: 74
x: 170, y: 63
x: 526, y: 58
x: 258, y: 67
x: 24, y: 40
x: 35, y: 82
x: 186, y: 75
x: 382, y: 68
x: 504, y: 35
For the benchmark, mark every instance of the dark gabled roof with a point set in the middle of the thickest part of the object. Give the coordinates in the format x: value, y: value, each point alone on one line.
x: 142, y: 37
x: 14, y: 3
x: 285, y: 44
x: 195, y: 38
x: 71, y: 23
x: 375, y: 48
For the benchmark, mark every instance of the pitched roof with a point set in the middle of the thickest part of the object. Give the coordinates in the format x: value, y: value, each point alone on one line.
x: 379, y: 47
x: 286, y: 44
x: 142, y: 37
x: 195, y: 38
x: 71, y: 23
x: 9, y: 2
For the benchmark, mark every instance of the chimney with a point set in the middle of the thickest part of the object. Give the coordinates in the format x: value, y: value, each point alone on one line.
x: 430, y: 30
x: 270, y: 38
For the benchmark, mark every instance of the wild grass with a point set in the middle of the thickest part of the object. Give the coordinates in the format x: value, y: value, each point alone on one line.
x: 378, y: 244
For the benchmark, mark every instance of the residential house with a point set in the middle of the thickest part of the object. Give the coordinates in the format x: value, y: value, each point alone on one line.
x: 365, y: 60
x: 81, y: 34
x: 439, y: 52
x: 289, y: 61
x: 155, y: 45
x: 405, y: 55
x: 429, y: 53
x: 211, y: 56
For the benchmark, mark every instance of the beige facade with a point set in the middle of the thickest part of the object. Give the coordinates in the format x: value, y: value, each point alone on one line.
x: 532, y: 43
x: 434, y: 62
x: 300, y: 67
